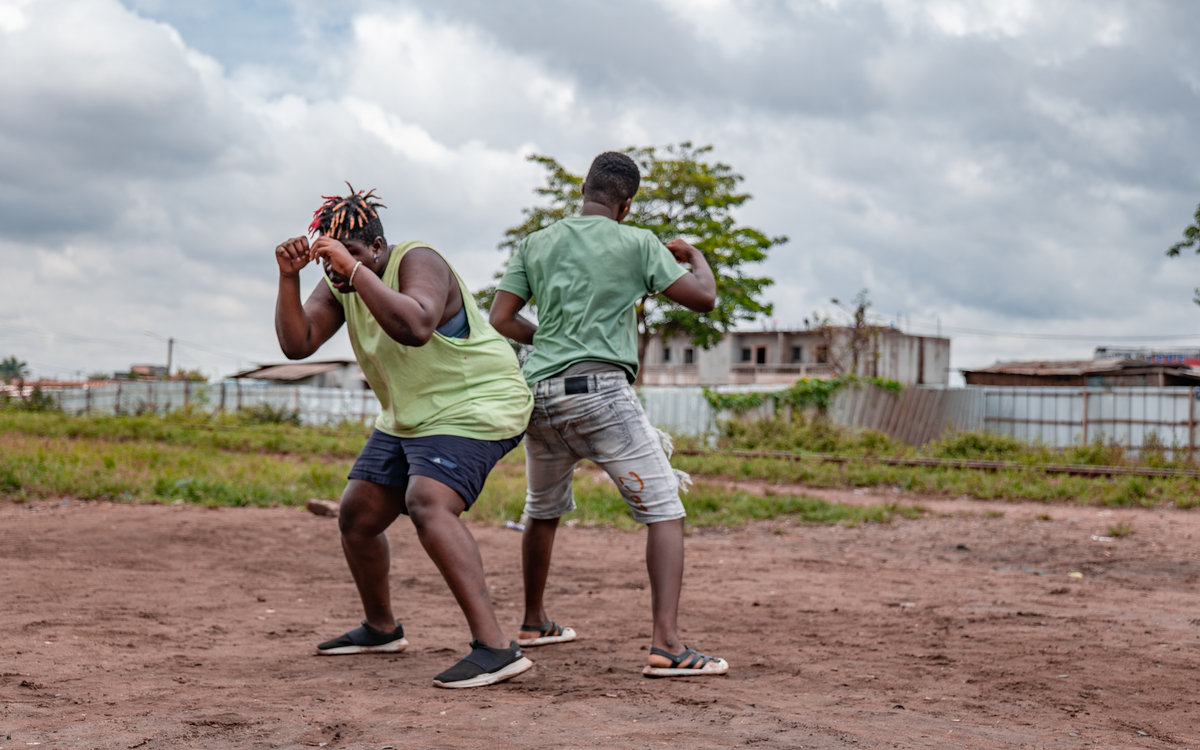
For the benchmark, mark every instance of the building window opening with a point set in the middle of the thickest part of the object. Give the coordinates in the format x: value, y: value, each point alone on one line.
x: 689, y: 356
x: 760, y: 356
x: 745, y: 355
x: 797, y: 354
x: 666, y: 354
x: 822, y: 355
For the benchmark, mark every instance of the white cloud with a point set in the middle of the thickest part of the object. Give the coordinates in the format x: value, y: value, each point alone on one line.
x: 452, y: 79
x: 12, y: 15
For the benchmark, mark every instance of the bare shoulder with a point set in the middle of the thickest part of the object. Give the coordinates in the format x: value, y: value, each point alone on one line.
x: 423, y: 260
x: 424, y: 271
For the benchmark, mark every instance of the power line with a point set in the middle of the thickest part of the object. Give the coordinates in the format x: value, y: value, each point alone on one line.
x: 218, y: 352
x: 1057, y: 336
x: 62, y: 334
x: 113, y: 342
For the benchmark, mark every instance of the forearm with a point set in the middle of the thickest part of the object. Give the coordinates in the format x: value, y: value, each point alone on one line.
x: 517, y: 327
x: 506, y: 318
x: 292, y: 325
x: 703, y: 273
x: 400, y: 316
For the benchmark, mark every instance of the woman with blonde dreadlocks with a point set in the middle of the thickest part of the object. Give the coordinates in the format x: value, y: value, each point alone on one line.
x: 453, y: 403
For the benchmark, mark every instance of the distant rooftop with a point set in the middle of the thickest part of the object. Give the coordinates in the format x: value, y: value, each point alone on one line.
x: 293, y: 370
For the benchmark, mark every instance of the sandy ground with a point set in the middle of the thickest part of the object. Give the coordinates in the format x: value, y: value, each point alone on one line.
x: 157, y: 626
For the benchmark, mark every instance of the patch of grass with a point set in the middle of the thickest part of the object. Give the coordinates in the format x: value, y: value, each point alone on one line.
x: 252, y: 431
x: 152, y: 471
x: 144, y: 471
x: 1121, y: 530
x: 820, y: 435
x: 1007, y: 484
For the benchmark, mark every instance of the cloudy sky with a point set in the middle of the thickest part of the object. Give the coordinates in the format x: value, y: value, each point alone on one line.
x: 1012, y: 166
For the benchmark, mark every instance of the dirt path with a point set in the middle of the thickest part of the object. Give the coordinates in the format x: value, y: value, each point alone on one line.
x: 155, y: 627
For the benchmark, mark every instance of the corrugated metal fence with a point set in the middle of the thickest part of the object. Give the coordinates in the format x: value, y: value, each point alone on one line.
x: 1057, y: 417
x: 916, y: 415
x: 1067, y: 416
x: 315, y: 405
x: 1054, y: 416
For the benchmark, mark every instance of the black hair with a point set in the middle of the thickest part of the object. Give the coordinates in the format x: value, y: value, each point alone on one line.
x: 613, y: 178
x: 353, y: 217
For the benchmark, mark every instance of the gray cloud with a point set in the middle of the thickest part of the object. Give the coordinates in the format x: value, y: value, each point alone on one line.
x: 1003, y: 165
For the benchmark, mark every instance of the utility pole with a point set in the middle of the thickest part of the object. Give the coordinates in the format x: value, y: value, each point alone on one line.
x: 170, y: 354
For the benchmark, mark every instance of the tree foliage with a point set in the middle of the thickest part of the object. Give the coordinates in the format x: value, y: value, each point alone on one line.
x: 803, y: 393
x: 1191, y: 236
x: 13, y: 369
x: 858, y: 348
x: 682, y: 195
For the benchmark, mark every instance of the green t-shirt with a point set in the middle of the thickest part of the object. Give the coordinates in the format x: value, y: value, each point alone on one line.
x: 586, y: 274
x: 468, y: 387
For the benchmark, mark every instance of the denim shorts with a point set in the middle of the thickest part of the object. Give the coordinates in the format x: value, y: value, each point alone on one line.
x: 597, y: 417
x: 460, y: 463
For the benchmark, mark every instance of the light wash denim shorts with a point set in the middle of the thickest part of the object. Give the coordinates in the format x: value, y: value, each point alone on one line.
x: 597, y: 417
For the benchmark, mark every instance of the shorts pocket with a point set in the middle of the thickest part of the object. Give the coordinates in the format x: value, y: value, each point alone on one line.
x: 605, y: 430
x: 536, y: 441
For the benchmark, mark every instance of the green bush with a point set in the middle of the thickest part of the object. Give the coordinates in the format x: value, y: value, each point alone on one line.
x: 816, y: 435
x: 267, y: 414
x: 978, y: 445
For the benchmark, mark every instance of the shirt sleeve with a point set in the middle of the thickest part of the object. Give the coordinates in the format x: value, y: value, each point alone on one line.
x: 662, y: 270
x: 515, y: 280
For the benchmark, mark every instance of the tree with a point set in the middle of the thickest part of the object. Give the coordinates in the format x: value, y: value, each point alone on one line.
x: 13, y: 369
x: 681, y: 195
x: 851, y: 347
x: 1191, y: 236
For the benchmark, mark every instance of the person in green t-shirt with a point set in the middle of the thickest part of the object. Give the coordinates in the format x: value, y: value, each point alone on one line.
x: 587, y: 272
x: 453, y: 402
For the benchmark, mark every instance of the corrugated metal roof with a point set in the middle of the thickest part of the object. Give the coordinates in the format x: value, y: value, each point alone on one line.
x: 292, y: 370
x: 1077, y: 367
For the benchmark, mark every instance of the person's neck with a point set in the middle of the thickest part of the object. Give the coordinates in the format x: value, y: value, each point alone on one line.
x: 593, y: 208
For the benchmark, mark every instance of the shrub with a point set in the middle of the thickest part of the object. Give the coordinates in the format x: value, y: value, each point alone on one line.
x: 267, y: 414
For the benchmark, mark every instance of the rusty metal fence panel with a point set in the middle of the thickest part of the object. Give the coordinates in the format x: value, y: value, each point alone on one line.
x: 916, y: 415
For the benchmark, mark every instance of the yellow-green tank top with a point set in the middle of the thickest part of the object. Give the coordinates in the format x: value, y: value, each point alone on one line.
x: 468, y: 387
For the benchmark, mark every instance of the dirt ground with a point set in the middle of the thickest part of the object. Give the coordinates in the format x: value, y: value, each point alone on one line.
x: 157, y: 626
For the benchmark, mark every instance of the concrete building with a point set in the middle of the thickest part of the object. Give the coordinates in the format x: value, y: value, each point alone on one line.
x: 338, y: 373
x: 783, y: 357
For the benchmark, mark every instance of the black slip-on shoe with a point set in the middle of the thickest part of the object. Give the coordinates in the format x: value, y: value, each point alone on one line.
x: 365, y: 640
x: 484, y: 666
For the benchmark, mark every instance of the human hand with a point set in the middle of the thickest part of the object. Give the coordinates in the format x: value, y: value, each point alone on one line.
x: 682, y: 251
x: 292, y: 255
x: 335, y: 255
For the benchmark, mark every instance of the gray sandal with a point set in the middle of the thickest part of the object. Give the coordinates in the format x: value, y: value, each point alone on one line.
x: 549, y: 633
x: 690, y: 662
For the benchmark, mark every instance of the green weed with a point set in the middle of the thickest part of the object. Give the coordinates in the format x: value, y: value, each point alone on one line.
x: 1121, y: 530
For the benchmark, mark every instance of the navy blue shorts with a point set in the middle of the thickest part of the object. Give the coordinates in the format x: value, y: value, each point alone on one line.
x: 460, y: 463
